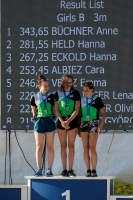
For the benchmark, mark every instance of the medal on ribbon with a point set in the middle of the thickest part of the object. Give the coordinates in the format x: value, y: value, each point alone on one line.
x: 45, y: 103
x: 67, y: 100
x: 87, y: 117
x: 88, y: 108
x: 67, y: 109
x: 45, y: 111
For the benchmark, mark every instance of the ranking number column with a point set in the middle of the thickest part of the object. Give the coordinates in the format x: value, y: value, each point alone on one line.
x: 8, y: 79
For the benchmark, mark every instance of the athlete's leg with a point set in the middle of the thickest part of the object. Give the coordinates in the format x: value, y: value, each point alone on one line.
x: 39, y: 139
x: 71, y: 140
x: 85, y: 142
x: 63, y: 142
x: 50, y: 148
x: 93, y: 142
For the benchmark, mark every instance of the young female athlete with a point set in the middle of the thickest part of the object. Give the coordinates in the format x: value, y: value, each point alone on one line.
x: 67, y: 106
x: 42, y: 104
x: 91, y: 105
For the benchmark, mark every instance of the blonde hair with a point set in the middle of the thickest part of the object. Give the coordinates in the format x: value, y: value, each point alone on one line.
x: 64, y: 80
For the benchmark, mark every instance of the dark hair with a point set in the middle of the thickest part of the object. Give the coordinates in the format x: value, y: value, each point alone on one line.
x: 40, y: 79
x: 89, y: 85
x: 64, y: 81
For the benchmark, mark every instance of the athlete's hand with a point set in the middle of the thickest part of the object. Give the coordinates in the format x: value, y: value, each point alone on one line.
x: 79, y: 132
x: 65, y: 125
x: 99, y: 130
x: 35, y: 118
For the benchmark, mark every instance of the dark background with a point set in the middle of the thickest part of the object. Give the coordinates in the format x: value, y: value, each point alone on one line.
x: 39, y: 13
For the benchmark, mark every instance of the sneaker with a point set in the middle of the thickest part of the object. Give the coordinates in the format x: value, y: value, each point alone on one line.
x: 88, y: 174
x: 38, y: 173
x: 49, y: 172
x: 93, y: 173
x: 64, y: 173
x: 71, y: 173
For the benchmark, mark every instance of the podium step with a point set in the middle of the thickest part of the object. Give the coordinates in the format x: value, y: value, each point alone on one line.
x: 13, y: 192
x: 121, y: 197
x: 66, y: 188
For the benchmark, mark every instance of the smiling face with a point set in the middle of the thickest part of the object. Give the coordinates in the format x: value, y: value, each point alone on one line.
x: 69, y: 84
x: 44, y: 87
x: 87, y: 91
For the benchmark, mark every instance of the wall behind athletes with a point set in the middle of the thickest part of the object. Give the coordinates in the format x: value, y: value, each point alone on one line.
x: 115, y: 156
